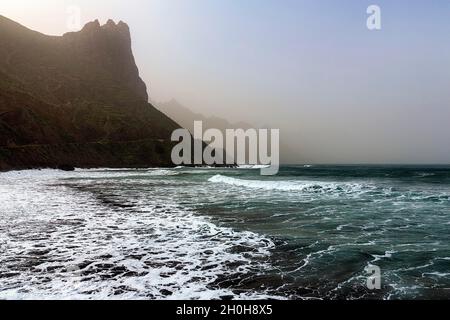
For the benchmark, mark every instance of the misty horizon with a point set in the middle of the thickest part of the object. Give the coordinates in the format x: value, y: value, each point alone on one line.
x: 338, y: 92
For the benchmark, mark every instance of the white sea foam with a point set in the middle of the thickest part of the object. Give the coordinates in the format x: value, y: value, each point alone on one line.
x: 129, y: 172
x: 425, y: 174
x: 108, y: 173
x: 253, y: 166
x: 57, y: 242
x: 163, y: 172
x: 293, y: 185
x: 387, y: 254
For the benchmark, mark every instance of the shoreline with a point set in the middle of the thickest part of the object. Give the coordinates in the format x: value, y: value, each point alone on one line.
x: 68, y: 168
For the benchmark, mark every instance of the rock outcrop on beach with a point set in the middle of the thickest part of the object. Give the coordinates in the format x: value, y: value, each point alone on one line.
x: 76, y: 100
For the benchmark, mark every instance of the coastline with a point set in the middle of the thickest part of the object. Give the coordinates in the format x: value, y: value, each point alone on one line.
x: 133, y: 154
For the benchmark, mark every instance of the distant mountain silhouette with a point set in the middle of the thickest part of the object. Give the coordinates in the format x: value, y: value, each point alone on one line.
x: 76, y: 100
x: 186, y: 117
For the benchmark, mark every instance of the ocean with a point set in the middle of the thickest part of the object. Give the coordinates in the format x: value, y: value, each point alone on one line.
x: 310, y: 232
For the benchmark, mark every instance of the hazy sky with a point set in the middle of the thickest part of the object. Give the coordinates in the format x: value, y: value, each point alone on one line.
x: 337, y: 91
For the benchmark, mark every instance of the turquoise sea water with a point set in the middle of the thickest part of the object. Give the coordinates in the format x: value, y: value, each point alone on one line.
x: 309, y: 232
x: 330, y: 222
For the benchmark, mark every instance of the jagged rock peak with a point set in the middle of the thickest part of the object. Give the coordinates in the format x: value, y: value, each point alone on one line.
x: 120, y: 27
x: 109, y: 46
x: 91, y: 26
x: 110, y: 22
x: 94, y: 26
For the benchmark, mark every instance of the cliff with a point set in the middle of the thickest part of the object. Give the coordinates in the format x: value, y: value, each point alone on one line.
x: 77, y: 100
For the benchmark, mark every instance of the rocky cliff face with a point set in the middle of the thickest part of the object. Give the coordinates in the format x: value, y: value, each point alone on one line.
x: 76, y: 99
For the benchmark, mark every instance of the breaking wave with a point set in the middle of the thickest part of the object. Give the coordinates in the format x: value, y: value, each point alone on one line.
x: 303, y: 186
x: 162, y: 172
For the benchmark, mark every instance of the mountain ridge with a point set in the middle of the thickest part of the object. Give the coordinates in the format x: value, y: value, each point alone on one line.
x: 76, y: 99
